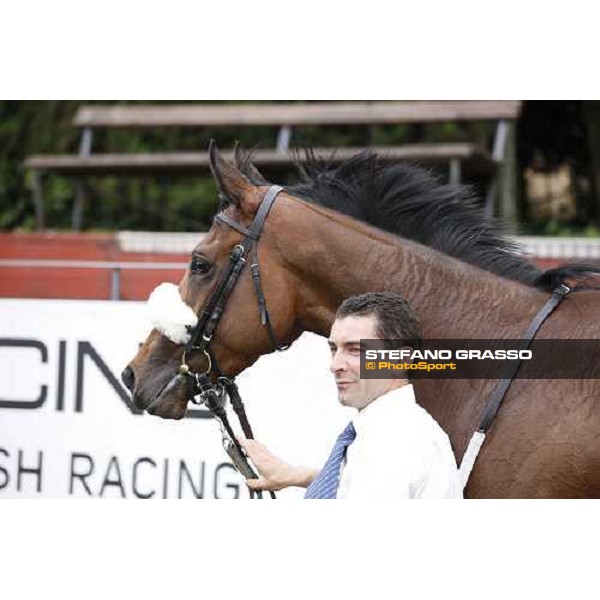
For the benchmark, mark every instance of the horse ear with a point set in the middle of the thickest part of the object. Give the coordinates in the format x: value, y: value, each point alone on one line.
x: 237, y: 151
x: 230, y: 181
x: 244, y: 164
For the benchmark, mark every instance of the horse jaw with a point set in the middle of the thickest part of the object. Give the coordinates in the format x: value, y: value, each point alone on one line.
x: 172, y: 401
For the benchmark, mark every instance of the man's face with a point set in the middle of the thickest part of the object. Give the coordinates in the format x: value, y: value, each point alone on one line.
x: 344, y: 342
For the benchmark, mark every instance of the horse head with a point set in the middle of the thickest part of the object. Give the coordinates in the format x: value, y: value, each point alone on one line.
x: 241, y: 335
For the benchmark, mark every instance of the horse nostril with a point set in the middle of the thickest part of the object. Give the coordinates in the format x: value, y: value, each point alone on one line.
x: 128, y: 378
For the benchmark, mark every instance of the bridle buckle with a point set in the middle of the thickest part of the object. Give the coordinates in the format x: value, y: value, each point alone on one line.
x: 212, y: 395
x: 562, y: 290
x: 238, y: 253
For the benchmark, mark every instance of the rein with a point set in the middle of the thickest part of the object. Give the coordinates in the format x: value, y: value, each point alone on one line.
x: 497, y: 396
x: 214, y: 395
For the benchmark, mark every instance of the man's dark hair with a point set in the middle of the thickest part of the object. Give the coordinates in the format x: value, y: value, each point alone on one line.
x: 396, y: 319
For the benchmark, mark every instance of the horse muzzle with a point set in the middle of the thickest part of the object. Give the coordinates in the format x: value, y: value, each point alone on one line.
x: 172, y: 401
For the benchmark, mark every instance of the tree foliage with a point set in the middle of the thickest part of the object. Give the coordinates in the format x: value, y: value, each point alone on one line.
x: 173, y: 203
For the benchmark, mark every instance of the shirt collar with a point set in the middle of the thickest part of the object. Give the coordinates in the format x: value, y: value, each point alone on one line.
x: 403, y: 397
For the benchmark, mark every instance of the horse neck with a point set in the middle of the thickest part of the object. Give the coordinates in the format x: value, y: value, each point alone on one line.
x: 337, y: 257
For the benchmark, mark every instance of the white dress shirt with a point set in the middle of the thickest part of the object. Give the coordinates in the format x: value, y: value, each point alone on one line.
x: 400, y: 451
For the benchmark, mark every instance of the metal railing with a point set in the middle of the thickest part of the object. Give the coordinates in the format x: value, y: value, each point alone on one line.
x: 115, y: 268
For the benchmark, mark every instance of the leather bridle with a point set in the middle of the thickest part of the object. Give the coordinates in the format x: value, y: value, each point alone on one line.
x: 212, y: 387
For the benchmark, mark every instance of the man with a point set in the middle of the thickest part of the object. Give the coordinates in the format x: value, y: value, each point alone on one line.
x: 392, y: 448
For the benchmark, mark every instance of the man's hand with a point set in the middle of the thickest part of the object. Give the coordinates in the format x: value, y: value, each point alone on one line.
x: 274, y: 473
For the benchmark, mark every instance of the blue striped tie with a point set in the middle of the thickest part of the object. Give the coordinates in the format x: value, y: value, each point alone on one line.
x: 325, y: 484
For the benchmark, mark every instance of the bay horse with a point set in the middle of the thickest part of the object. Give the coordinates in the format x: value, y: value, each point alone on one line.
x: 324, y: 240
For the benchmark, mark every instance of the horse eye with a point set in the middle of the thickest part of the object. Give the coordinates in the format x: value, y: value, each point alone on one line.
x: 200, y: 266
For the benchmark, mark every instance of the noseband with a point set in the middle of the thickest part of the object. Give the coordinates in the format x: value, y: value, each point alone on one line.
x: 203, y: 390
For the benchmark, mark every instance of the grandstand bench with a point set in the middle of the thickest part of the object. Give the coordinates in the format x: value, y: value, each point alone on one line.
x: 499, y: 161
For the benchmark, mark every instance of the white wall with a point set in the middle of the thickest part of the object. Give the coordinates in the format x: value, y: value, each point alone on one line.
x: 290, y: 399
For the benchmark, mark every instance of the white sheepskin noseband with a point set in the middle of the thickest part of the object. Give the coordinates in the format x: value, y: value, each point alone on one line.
x: 169, y: 314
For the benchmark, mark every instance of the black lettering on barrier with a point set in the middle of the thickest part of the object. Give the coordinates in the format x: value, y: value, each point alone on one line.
x: 233, y: 486
x: 137, y: 463
x: 118, y: 481
x: 21, y: 469
x: 6, y: 481
x: 86, y: 349
x: 14, y: 343
x: 166, y: 478
x: 198, y: 493
x: 82, y: 476
x: 60, y: 388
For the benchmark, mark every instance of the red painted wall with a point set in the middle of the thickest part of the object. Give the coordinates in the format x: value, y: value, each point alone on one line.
x: 41, y: 282
x: 93, y: 284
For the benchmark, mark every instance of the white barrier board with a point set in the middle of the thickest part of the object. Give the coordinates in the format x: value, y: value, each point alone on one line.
x: 66, y: 432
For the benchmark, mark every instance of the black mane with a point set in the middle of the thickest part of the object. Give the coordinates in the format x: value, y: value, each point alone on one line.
x: 410, y: 202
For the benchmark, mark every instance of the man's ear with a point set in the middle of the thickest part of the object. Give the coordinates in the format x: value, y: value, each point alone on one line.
x: 232, y: 183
